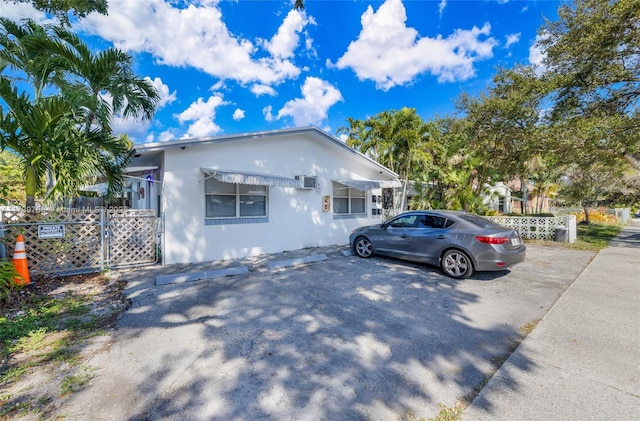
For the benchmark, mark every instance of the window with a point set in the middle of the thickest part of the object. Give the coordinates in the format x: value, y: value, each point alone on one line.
x: 405, y: 221
x: 227, y: 200
x: 347, y: 200
x: 432, y: 221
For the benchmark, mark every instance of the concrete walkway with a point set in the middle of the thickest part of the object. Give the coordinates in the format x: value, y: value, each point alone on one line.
x: 582, y: 361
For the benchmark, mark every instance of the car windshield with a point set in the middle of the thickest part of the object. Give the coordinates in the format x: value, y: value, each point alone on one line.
x: 478, y: 221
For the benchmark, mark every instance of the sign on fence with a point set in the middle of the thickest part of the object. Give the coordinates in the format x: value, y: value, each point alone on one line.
x: 51, y: 231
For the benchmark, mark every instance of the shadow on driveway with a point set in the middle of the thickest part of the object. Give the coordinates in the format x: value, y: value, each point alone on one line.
x: 342, y: 339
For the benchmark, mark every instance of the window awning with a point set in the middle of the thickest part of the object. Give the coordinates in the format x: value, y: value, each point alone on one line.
x: 253, y: 178
x: 365, y: 185
x: 129, y: 170
x: 100, y: 188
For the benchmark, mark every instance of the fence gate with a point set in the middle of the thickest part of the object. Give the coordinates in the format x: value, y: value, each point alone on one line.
x: 71, y: 241
x: 131, y: 237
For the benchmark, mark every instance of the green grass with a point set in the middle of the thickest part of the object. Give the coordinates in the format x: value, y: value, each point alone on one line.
x: 592, y: 237
x: 596, y: 236
x: 449, y: 414
x: 20, y: 409
x: 45, y: 316
x: 73, y: 383
x: 30, y: 331
x: 14, y: 374
x: 42, y: 334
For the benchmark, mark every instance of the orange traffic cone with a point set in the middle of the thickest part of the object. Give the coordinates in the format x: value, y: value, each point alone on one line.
x: 20, y: 262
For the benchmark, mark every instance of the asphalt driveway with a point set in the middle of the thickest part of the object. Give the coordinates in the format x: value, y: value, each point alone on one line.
x: 341, y: 339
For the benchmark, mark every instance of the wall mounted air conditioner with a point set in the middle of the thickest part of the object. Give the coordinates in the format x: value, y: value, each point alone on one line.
x: 307, y: 181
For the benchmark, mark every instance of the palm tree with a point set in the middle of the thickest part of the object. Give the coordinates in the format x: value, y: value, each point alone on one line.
x: 92, y: 79
x: 411, y: 145
x: 357, y: 135
x: 47, y: 135
x: 399, y: 140
x: 63, y: 126
x: 11, y: 186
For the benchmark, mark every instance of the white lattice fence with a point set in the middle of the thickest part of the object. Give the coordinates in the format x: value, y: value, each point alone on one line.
x: 91, y: 239
x: 78, y: 251
x: 131, y: 237
x: 532, y: 227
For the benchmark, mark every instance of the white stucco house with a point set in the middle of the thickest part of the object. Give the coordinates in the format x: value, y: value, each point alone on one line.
x: 498, y: 197
x: 242, y: 195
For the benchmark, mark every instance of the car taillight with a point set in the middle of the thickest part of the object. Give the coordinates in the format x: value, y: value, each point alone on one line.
x: 493, y: 240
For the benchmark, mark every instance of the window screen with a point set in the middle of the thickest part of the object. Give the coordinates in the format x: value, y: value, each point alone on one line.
x: 227, y: 200
x: 347, y: 200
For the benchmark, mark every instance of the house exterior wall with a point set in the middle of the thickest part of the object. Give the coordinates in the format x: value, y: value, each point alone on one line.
x: 499, y: 198
x: 533, y: 204
x: 144, y: 194
x: 295, y: 216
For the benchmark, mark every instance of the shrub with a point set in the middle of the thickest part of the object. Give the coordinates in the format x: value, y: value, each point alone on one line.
x: 540, y: 215
x: 8, y: 287
x: 598, y: 216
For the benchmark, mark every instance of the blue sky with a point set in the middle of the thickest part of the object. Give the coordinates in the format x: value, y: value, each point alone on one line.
x: 226, y: 67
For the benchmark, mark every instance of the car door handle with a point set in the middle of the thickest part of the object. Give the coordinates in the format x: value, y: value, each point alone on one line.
x: 442, y: 237
x: 403, y: 236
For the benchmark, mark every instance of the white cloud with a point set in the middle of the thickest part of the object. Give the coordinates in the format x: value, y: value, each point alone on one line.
x: 537, y: 56
x: 166, y: 136
x: 238, y: 114
x: 390, y: 53
x: 441, y: 6
x: 132, y: 128
x: 162, y: 137
x: 202, y: 114
x: 259, y: 89
x: 512, y: 39
x: 218, y: 86
x: 266, y: 111
x: 19, y: 11
x: 317, y: 97
x: 287, y: 39
x: 163, y: 91
x: 197, y: 36
x: 308, y: 43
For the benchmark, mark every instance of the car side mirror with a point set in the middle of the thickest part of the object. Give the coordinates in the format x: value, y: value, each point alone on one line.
x: 384, y: 226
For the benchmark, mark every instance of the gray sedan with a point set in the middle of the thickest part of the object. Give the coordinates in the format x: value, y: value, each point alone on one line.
x: 459, y: 242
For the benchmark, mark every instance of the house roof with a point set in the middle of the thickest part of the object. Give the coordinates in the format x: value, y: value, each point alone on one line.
x: 183, y: 143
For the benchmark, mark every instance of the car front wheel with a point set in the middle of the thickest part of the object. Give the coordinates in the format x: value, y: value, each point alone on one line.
x: 362, y: 247
x: 456, y: 264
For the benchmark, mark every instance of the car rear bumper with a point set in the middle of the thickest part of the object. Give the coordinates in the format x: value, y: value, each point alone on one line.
x: 494, y: 260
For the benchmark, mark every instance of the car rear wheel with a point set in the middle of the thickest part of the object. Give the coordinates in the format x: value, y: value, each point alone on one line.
x: 362, y: 247
x: 456, y: 264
